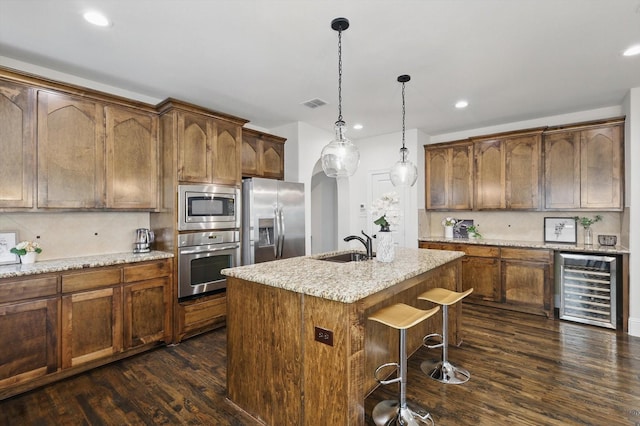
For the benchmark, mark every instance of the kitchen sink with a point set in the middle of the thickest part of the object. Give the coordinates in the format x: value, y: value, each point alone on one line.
x: 345, y: 257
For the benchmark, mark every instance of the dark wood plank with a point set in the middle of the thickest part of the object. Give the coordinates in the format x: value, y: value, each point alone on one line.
x: 525, y: 370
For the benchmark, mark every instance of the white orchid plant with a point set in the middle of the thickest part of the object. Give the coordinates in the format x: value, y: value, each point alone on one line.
x: 25, y: 247
x: 449, y: 221
x: 386, y: 209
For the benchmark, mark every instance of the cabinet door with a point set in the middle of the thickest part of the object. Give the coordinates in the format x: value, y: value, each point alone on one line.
x: 147, y: 312
x: 227, y: 150
x: 132, y: 158
x: 562, y: 170
x: 525, y: 284
x: 70, y: 152
x: 601, y: 168
x: 273, y: 159
x: 194, y: 148
x: 522, y: 172
x: 251, y: 149
x: 17, y: 144
x: 461, y: 177
x: 490, y: 174
x: 483, y: 275
x: 437, y: 178
x: 91, y: 325
x: 28, y: 338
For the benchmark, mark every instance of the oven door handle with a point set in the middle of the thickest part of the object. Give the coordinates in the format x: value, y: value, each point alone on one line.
x: 209, y: 250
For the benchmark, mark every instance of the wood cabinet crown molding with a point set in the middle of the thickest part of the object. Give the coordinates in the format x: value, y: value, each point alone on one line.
x: 170, y: 104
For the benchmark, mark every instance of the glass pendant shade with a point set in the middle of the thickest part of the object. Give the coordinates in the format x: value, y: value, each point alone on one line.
x: 340, y: 158
x: 404, y: 172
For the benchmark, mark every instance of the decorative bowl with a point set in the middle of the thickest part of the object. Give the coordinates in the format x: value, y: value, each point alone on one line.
x: 607, y: 240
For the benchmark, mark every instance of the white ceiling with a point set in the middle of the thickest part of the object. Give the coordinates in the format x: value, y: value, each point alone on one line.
x: 260, y: 59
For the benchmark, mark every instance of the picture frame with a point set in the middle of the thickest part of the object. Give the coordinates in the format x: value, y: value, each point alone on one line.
x: 7, y: 242
x: 563, y: 230
x: 460, y: 228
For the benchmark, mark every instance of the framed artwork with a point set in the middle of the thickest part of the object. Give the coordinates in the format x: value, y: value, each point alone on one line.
x: 560, y: 230
x: 460, y: 228
x: 7, y: 242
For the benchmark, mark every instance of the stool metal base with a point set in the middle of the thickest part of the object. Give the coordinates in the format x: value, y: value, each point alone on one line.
x: 389, y: 413
x: 445, y: 372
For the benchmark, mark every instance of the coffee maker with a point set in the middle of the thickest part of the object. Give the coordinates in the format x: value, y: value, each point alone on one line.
x: 144, y: 238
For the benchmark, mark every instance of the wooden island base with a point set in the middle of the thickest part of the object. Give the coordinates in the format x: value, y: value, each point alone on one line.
x: 296, y: 359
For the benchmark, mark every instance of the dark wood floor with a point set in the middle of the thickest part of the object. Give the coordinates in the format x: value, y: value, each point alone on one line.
x: 526, y: 370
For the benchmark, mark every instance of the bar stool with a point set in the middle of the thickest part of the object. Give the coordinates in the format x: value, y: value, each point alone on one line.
x: 443, y: 371
x: 399, y: 412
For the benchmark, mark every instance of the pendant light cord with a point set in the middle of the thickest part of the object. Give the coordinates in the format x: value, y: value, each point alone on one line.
x: 340, y: 76
x: 403, y: 115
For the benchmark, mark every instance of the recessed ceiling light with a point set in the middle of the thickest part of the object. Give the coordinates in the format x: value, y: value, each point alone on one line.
x: 358, y: 126
x: 462, y: 104
x: 96, y: 18
x: 632, y: 51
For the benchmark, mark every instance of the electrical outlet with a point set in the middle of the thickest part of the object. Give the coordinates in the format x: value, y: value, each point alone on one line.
x: 323, y: 336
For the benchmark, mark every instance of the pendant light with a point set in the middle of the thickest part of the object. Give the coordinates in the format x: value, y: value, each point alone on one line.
x: 340, y: 158
x: 404, y: 172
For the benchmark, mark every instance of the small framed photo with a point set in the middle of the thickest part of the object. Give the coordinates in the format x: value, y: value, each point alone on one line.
x: 7, y: 242
x: 560, y: 230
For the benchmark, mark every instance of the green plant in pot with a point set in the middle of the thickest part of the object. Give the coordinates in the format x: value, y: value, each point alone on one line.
x: 473, y: 232
x: 586, y: 223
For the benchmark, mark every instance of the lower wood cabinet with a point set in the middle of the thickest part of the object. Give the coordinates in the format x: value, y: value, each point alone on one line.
x: 57, y: 325
x: 199, y: 315
x: 511, y: 278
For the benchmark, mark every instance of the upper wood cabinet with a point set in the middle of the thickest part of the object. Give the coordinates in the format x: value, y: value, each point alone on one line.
x: 449, y: 176
x: 507, y: 171
x: 208, y: 143
x: 584, y: 166
x: 70, y: 151
x: 95, y: 155
x: 17, y: 144
x: 132, y: 158
x: 262, y: 155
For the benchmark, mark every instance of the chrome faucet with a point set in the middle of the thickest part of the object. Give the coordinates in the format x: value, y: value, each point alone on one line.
x: 368, y: 244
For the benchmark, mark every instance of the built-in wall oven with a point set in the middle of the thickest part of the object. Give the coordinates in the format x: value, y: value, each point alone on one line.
x: 201, y: 257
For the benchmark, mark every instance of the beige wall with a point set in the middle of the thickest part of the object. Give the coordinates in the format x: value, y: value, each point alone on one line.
x: 73, y: 234
x: 518, y: 226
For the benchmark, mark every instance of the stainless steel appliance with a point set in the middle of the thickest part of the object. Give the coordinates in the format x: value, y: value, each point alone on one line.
x: 201, y: 257
x: 272, y: 220
x: 202, y: 207
x: 144, y: 238
x: 588, y: 288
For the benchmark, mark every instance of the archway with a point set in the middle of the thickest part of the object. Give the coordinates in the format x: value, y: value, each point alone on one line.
x: 324, y: 211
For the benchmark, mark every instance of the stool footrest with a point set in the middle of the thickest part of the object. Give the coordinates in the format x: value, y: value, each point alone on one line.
x: 426, y: 339
x: 383, y: 381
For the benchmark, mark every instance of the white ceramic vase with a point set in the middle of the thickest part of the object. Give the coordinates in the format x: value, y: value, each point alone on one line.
x: 386, y: 250
x: 30, y: 257
x: 448, y: 231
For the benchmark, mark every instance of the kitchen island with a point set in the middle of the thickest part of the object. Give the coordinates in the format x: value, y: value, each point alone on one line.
x: 299, y: 347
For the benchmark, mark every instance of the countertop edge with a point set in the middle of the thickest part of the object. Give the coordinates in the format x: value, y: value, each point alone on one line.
x: 529, y: 244
x: 76, y: 263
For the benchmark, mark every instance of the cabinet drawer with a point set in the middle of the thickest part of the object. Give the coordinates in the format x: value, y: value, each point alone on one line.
x: 528, y: 255
x: 480, y: 251
x: 90, y: 280
x: 440, y: 246
x: 11, y: 291
x: 147, y: 271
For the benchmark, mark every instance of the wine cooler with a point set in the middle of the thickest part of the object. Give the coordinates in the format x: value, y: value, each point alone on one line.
x: 588, y: 288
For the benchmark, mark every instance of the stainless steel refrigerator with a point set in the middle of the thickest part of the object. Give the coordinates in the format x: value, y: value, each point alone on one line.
x: 272, y: 220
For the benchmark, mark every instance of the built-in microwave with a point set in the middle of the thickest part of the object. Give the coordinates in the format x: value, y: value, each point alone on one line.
x: 203, y: 207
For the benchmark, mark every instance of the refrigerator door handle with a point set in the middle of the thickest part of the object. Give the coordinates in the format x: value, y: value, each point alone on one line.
x: 276, y: 232
x: 282, y: 233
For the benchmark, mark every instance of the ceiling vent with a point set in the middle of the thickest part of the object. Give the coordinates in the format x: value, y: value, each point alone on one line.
x: 314, y: 103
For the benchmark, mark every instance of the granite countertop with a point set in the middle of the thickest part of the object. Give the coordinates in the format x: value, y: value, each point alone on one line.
x: 57, y: 265
x: 596, y: 248
x: 343, y: 282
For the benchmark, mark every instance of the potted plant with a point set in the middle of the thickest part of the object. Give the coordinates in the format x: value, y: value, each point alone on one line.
x: 586, y: 223
x: 448, y: 223
x: 387, y: 211
x: 27, y: 250
x: 472, y: 231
